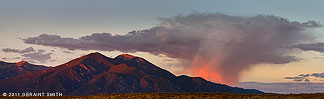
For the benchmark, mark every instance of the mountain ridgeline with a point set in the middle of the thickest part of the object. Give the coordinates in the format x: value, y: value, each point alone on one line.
x: 8, y: 70
x: 97, y: 74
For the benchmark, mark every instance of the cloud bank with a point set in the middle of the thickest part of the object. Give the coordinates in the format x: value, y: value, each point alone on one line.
x: 29, y: 54
x: 39, y: 56
x: 298, y: 79
x: 26, y: 50
x: 217, y: 47
x: 305, y: 77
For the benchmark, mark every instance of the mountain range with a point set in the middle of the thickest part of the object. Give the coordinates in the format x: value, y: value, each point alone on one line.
x: 8, y: 70
x: 97, y: 74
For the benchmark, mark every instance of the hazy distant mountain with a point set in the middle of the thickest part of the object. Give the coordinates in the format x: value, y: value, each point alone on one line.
x: 285, y: 87
x: 8, y: 70
x: 97, y: 74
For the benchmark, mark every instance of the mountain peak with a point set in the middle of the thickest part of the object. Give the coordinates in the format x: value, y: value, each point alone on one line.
x: 129, y: 57
x: 21, y: 63
x: 126, y: 56
x: 94, y: 55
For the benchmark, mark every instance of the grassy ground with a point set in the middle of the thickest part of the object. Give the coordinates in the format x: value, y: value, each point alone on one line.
x: 187, y: 96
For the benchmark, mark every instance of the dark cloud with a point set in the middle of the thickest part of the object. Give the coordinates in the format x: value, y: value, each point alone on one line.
x: 304, y: 75
x: 7, y: 58
x: 318, y: 75
x: 215, y: 43
x: 9, y: 50
x: 26, y: 50
x: 319, y: 47
x: 298, y: 79
x: 39, y: 56
x: 29, y: 54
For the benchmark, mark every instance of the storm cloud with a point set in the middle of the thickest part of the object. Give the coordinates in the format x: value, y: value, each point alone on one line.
x: 319, y: 47
x: 218, y: 47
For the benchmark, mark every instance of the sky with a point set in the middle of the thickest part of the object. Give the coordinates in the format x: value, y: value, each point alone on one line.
x: 24, y: 24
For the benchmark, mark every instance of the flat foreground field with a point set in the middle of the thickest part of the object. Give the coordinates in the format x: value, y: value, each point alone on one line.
x: 187, y: 96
